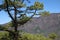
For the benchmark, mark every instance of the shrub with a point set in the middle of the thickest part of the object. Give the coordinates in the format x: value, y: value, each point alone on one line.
x: 52, y: 35
x: 28, y: 36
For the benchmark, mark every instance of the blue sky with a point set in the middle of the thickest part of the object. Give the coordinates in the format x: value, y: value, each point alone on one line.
x: 53, y: 6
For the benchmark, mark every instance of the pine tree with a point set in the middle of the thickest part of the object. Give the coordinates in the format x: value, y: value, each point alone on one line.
x: 16, y: 6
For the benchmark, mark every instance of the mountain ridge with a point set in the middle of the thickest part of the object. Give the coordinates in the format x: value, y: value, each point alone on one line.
x: 48, y: 23
x: 42, y: 24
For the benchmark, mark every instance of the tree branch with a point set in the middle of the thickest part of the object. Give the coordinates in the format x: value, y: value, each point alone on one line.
x: 8, y: 10
x: 33, y: 14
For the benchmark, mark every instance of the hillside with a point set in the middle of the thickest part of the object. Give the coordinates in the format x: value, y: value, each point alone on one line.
x: 43, y: 24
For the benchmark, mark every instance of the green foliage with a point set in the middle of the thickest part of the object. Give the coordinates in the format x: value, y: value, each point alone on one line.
x: 52, y: 36
x: 17, y: 3
x: 23, y: 20
x: 3, y: 27
x: 5, y: 36
x: 28, y: 36
x: 36, y: 6
x: 10, y: 24
x: 45, y: 13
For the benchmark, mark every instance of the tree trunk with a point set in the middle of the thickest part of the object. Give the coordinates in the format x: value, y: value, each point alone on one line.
x: 15, y: 32
x: 15, y: 24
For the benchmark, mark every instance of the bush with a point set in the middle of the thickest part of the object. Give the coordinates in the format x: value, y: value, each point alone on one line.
x: 24, y: 36
x: 4, y: 35
x: 52, y: 36
x: 28, y: 36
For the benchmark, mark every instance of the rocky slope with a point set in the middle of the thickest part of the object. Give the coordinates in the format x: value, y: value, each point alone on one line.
x: 43, y: 24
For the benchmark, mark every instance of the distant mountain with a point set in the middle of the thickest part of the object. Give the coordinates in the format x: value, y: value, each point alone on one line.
x: 43, y: 24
